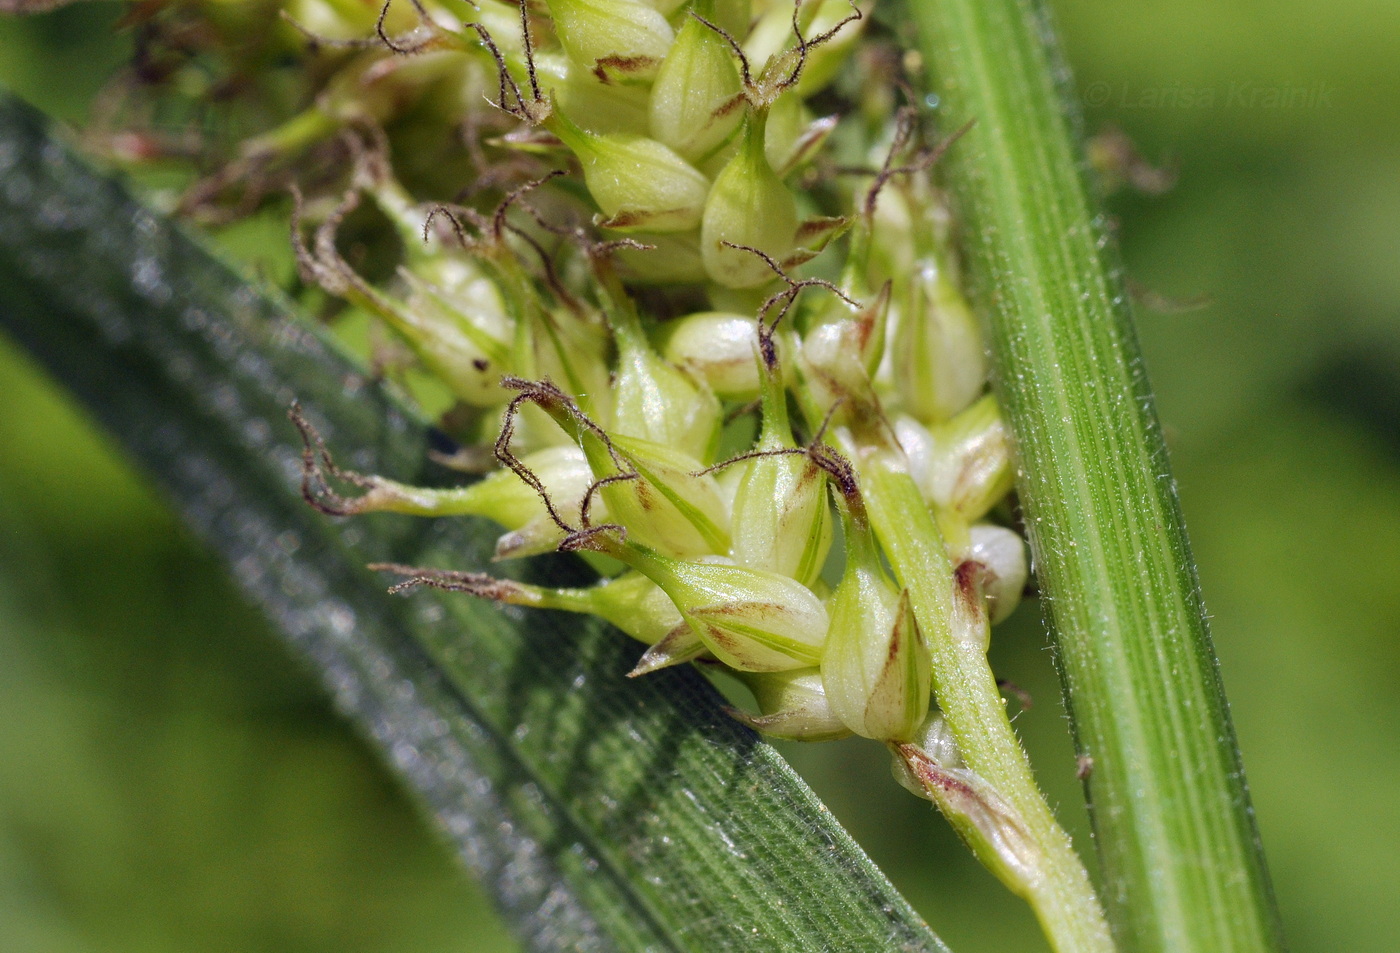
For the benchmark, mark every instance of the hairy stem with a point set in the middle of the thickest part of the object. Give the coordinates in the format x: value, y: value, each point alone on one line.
x: 1171, y: 812
x: 1058, y: 888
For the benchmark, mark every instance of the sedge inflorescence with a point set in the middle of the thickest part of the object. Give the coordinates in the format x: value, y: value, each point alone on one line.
x: 680, y: 277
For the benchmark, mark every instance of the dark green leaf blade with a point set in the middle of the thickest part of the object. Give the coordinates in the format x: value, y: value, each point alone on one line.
x: 603, y: 813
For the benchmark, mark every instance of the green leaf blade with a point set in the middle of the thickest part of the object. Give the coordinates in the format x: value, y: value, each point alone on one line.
x: 603, y: 813
x: 1175, y: 833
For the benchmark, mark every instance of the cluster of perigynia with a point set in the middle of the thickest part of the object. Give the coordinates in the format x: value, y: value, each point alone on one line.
x: 696, y: 289
x: 655, y: 331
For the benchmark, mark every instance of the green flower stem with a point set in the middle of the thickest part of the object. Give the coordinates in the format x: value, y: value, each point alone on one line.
x: 1169, y: 803
x: 966, y: 690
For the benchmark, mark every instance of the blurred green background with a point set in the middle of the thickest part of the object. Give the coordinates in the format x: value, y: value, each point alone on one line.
x: 171, y: 780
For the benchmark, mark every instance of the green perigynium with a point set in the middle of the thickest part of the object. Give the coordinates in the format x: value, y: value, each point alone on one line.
x: 782, y: 518
x: 792, y: 705
x: 654, y: 399
x: 639, y: 183
x: 1002, y: 555
x: 750, y: 619
x: 876, y: 662
x: 620, y: 40
x: 696, y: 101
x: 749, y: 209
x: 718, y: 347
x: 683, y: 312
x: 962, y: 464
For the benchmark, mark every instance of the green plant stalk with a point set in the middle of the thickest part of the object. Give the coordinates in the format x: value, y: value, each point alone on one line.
x: 1061, y: 893
x: 1175, y: 834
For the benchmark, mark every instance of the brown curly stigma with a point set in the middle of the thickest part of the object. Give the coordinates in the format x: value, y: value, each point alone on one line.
x: 500, y: 225
x: 805, y: 46
x: 321, y: 263
x: 517, y: 466
x: 450, y: 213
x: 604, y: 250
x: 599, y: 253
x: 604, y: 538
x: 490, y: 230
x: 751, y: 455
x: 511, y: 99
x: 316, y: 41
x: 841, y: 472
x: 545, y: 394
x: 761, y: 94
x: 368, y: 146
x: 498, y: 218
x: 317, y: 464
x: 905, y: 124
x: 787, y: 298
x: 427, y: 35
x: 474, y: 583
x: 822, y: 455
x: 409, y: 44
x: 491, y: 239
x: 593, y: 489
x: 744, y: 71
